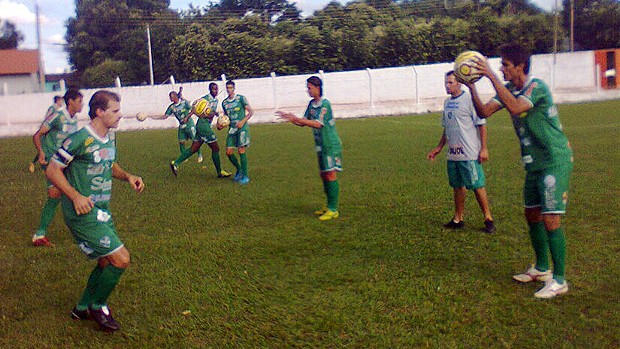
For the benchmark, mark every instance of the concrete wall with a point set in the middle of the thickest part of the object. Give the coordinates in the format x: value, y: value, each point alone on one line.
x: 19, y: 84
x: 389, y: 91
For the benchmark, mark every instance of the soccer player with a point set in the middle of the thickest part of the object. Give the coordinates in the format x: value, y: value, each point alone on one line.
x: 181, y: 110
x: 204, y: 134
x: 319, y: 116
x: 239, y: 111
x: 55, y: 128
x: 55, y: 107
x: 466, y: 136
x: 546, y: 155
x: 83, y: 169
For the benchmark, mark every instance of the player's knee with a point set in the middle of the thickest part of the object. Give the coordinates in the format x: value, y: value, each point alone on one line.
x: 533, y: 214
x: 214, y: 147
x: 552, y: 221
x: 53, y: 193
x: 229, y: 151
x: 241, y: 150
x: 121, y: 258
x: 329, y: 176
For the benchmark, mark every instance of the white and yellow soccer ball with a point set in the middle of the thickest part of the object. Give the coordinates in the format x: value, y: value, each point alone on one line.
x: 223, y: 121
x: 200, y: 106
x: 141, y: 116
x: 465, y: 66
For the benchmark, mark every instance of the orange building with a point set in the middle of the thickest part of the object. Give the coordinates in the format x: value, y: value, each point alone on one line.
x: 608, y: 61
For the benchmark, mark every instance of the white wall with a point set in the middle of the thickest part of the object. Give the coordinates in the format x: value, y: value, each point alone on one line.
x: 388, y: 91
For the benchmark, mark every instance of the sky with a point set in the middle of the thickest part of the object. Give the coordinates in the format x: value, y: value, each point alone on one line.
x: 54, y: 14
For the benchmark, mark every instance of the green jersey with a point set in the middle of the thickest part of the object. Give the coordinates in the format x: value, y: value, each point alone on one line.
x: 235, y: 109
x: 61, y: 125
x: 543, y: 142
x: 326, y: 138
x: 87, y: 159
x: 180, y: 111
x: 211, y: 104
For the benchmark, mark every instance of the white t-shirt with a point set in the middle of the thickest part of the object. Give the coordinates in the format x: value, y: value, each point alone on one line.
x: 461, y: 122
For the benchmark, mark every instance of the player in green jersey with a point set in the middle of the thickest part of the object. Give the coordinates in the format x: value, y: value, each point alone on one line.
x: 181, y: 109
x: 320, y: 118
x: 546, y: 155
x: 204, y: 134
x: 56, y: 106
x: 238, y: 109
x: 55, y: 128
x: 83, y: 169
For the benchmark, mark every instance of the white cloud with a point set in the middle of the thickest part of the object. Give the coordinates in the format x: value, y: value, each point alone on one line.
x: 15, y: 12
x: 56, y: 39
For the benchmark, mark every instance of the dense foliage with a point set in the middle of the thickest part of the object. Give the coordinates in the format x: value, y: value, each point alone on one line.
x: 244, y: 38
x: 10, y: 37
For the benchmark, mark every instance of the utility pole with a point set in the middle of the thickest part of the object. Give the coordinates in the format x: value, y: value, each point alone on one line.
x: 572, y: 25
x: 148, y: 37
x: 40, y: 49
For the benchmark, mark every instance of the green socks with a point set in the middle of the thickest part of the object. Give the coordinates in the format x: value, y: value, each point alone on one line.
x: 47, y: 215
x: 557, y: 246
x: 234, y: 161
x: 244, y: 163
x: 215, y: 156
x: 540, y: 242
x: 93, y: 279
x: 185, y: 154
x: 109, y: 278
x: 332, y: 189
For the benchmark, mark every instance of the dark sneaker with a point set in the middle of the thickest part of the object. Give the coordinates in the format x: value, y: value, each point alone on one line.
x: 174, y: 168
x: 489, y: 227
x: 454, y: 225
x: 80, y: 314
x: 104, y: 319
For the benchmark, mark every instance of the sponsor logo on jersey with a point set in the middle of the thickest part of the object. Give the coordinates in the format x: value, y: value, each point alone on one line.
x: 105, y: 242
x: 530, y: 89
x: 101, y: 184
x: 94, y: 170
x: 88, y: 141
x: 457, y: 151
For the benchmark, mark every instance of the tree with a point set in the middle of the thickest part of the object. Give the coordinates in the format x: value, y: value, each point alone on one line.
x: 10, y: 37
x: 596, y: 23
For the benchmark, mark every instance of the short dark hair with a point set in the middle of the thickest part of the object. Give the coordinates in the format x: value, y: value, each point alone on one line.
x: 211, y: 85
x: 72, y: 94
x: 57, y: 98
x: 316, y: 81
x: 100, y: 100
x: 173, y: 93
x: 231, y: 83
x: 517, y: 54
x: 451, y: 72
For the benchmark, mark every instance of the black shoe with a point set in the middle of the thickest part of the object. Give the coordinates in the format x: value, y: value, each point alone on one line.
x: 489, y: 227
x: 454, y: 225
x: 80, y: 314
x: 104, y: 319
x: 174, y: 168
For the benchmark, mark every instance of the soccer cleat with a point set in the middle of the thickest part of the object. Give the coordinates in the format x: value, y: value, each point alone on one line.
x: 224, y: 174
x: 321, y: 211
x: 174, y: 168
x: 31, y: 167
x: 329, y: 214
x: 551, y: 289
x: 42, y: 241
x: 200, y: 159
x: 238, y: 176
x: 489, y: 227
x: 80, y: 314
x: 104, y: 319
x: 533, y: 274
x: 454, y: 225
x: 244, y: 180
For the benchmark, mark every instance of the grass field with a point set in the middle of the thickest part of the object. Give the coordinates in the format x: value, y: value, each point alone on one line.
x: 256, y: 269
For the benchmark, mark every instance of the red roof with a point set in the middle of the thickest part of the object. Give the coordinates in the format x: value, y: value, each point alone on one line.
x: 15, y: 62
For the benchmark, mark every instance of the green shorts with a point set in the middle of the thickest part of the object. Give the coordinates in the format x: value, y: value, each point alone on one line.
x: 93, y: 232
x: 329, y: 161
x: 204, y: 133
x: 238, y: 138
x: 548, y: 189
x: 186, y: 131
x: 468, y: 174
